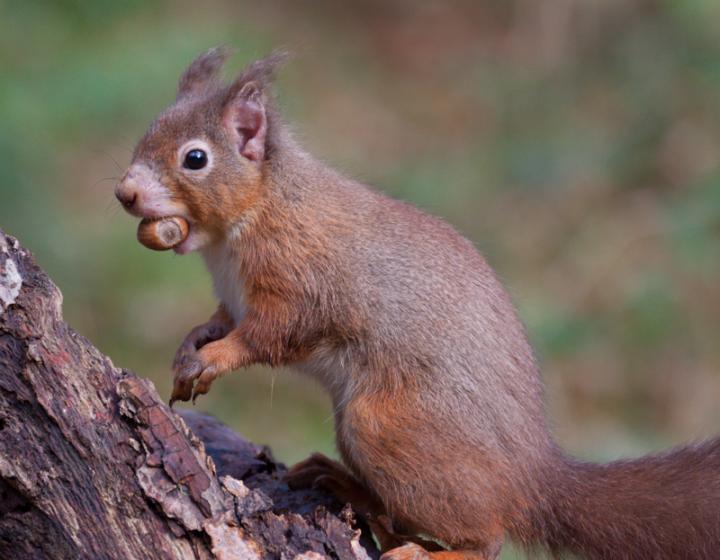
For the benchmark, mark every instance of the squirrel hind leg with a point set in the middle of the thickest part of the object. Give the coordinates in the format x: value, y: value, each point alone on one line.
x: 412, y: 551
x: 321, y: 471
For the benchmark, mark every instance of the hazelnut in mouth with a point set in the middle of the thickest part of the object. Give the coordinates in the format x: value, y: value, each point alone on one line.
x: 164, y: 233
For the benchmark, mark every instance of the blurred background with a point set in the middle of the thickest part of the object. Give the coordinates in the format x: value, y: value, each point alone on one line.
x: 575, y: 142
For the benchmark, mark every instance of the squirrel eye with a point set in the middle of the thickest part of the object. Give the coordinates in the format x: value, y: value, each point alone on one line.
x: 195, y: 159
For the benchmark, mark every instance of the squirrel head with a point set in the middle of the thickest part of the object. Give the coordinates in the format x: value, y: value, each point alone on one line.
x: 203, y: 158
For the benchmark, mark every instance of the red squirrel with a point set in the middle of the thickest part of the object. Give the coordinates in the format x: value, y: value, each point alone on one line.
x: 437, y: 398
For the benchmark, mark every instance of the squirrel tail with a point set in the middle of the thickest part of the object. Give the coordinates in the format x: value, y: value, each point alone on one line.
x: 665, y: 505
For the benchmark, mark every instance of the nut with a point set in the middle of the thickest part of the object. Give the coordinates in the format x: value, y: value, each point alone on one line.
x: 163, y: 234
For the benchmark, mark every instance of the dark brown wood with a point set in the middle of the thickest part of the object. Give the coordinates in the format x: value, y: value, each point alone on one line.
x: 94, y: 465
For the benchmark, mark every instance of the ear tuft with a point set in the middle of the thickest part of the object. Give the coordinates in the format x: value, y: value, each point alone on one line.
x: 245, y: 106
x: 262, y: 71
x: 202, y: 72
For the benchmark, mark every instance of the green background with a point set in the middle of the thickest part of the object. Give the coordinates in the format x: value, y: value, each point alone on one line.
x: 576, y: 143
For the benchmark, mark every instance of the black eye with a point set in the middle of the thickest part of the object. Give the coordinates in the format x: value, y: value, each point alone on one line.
x: 195, y: 159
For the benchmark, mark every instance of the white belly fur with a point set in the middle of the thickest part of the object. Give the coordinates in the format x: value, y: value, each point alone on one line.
x: 227, y: 280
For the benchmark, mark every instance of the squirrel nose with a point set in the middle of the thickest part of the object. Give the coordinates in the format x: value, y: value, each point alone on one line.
x: 127, y: 197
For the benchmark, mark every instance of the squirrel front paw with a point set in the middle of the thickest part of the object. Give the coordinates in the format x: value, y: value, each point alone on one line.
x: 196, y: 339
x: 187, y: 369
x: 194, y: 371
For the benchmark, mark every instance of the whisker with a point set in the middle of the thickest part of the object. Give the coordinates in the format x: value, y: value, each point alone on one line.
x: 104, y: 179
x: 124, y: 138
x: 111, y: 208
x: 108, y: 154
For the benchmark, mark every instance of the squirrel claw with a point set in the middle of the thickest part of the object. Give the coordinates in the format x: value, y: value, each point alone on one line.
x: 182, y: 388
x: 193, y: 370
x: 204, y: 382
x: 181, y: 392
x: 196, y: 394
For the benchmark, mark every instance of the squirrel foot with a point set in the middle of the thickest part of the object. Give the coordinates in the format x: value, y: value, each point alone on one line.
x: 321, y: 471
x: 412, y: 551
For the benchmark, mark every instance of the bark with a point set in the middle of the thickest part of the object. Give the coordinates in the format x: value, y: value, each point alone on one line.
x: 94, y: 465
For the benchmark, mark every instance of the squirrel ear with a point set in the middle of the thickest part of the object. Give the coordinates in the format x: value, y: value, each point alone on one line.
x: 246, y: 120
x: 245, y: 111
x: 202, y: 71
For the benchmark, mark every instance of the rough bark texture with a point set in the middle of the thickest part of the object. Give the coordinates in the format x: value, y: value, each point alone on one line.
x: 94, y: 465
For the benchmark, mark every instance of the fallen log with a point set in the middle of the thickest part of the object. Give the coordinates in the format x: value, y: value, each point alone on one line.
x: 94, y: 465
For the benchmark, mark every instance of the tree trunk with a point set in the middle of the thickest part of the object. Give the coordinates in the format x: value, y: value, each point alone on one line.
x: 94, y: 465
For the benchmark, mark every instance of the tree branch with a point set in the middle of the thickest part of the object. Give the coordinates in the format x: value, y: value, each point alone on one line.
x: 94, y: 465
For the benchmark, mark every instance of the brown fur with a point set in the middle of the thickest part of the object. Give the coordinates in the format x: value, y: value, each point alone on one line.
x: 437, y: 396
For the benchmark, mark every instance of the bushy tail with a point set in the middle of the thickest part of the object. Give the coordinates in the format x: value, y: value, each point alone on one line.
x: 664, y: 506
